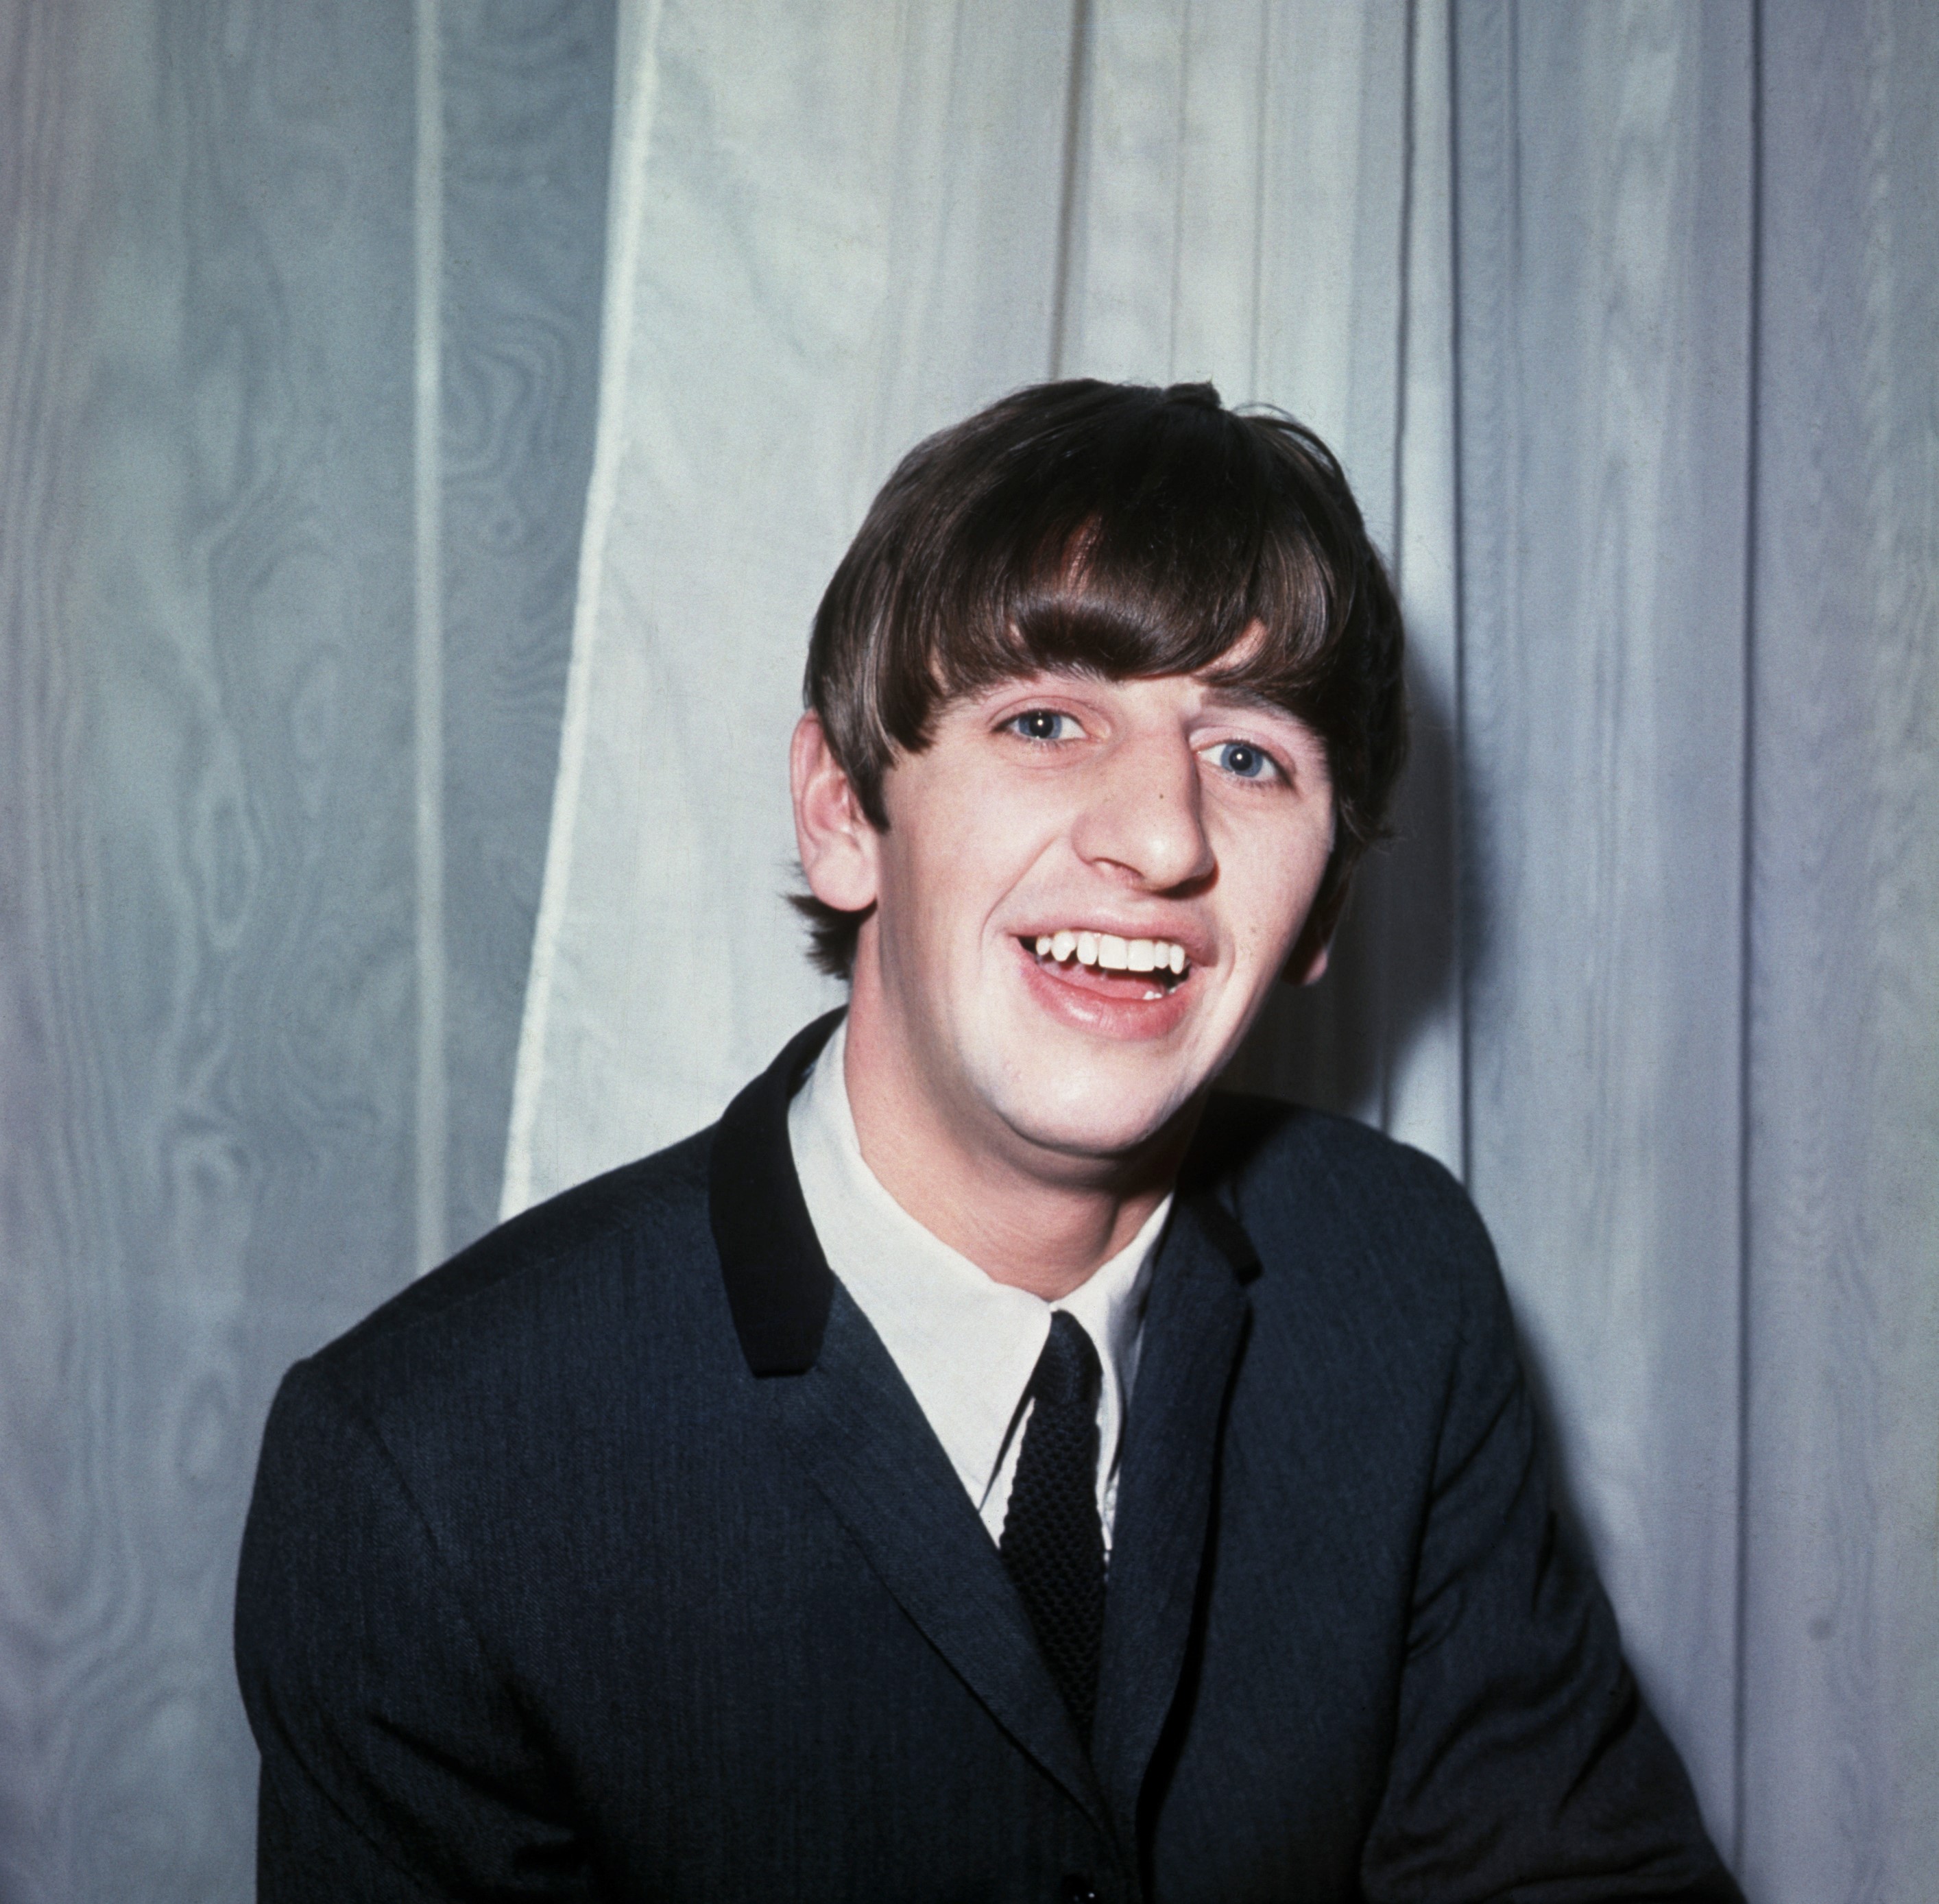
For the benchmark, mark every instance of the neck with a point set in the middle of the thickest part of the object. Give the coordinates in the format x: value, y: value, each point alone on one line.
x: 1034, y: 1221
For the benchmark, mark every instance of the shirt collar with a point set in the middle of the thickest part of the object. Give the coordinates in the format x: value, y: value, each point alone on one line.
x: 965, y: 1344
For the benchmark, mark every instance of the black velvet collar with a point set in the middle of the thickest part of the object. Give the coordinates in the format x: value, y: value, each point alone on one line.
x: 779, y: 1284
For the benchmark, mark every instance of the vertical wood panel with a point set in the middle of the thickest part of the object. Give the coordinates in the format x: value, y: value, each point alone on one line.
x: 1841, y: 1779
x: 528, y: 110
x: 1604, y: 239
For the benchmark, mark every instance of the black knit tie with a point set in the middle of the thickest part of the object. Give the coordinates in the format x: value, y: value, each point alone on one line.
x: 1053, y: 1541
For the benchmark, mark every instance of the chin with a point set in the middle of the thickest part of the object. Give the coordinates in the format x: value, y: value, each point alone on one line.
x: 1100, y: 1120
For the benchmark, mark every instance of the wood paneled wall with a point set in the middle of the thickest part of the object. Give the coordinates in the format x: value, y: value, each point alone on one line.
x: 209, y: 860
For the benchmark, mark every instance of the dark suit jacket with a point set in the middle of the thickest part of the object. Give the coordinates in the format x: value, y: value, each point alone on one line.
x: 615, y: 1559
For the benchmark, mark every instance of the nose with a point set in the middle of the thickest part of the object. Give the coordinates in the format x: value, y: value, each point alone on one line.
x: 1144, y: 815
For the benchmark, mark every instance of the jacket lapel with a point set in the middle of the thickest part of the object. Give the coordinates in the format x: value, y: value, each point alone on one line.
x: 868, y: 1448
x: 843, y: 1406
x: 1193, y: 1330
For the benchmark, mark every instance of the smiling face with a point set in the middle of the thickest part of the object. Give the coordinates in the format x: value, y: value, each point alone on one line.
x: 1086, y: 887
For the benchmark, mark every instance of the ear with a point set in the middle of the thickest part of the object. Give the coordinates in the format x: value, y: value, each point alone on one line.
x: 838, y: 845
x: 1306, y: 964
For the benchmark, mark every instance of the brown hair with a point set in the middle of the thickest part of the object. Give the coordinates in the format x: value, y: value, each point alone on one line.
x: 1119, y: 530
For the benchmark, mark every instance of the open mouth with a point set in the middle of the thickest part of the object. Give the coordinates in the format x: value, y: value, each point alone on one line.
x: 1123, y: 968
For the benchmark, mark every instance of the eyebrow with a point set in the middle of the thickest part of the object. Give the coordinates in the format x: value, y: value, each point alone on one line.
x: 1232, y: 695
x: 1226, y: 697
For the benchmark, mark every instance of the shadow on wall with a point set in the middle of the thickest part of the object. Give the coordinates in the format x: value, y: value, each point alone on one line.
x: 1379, y: 1038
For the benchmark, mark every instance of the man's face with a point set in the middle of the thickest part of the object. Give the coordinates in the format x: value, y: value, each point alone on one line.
x: 1086, y: 887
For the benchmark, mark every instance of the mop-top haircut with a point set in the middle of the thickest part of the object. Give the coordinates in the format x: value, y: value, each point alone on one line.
x: 1118, y: 529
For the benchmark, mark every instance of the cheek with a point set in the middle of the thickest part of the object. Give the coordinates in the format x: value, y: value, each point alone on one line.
x: 1280, y: 877
x: 937, y: 883
x: 978, y: 841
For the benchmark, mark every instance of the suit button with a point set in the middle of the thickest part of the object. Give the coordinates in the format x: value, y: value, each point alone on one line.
x: 1080, y: 1890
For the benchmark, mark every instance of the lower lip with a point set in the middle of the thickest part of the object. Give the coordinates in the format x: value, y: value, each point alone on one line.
x: 1088, y: 1006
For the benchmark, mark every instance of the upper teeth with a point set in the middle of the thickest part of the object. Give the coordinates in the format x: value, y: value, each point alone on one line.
x: 1112, y: 953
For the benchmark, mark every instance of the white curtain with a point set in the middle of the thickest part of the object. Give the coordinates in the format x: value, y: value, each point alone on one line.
x: 835, y: 230
x: 1506, y: 261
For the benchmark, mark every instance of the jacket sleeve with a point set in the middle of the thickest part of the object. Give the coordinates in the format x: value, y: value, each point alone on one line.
x: 1526, y: 1765
x: 395, y: 1762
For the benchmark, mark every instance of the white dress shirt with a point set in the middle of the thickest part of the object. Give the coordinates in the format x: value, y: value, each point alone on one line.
x: 966, y: 1344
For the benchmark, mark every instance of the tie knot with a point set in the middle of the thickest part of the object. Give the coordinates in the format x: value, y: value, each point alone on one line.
x: 1068, y: 1371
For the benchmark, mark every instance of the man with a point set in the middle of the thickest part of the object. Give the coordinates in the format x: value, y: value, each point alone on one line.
x: 985, y: 1465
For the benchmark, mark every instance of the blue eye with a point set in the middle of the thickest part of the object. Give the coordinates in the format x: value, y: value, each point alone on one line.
x: 1042, y: 724
x: 1242, y: 760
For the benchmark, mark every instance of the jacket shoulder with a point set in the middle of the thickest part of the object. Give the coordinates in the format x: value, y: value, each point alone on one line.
x: 1347, y: 1219
x: 1270, y: 1156
x: 550, y: 1284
